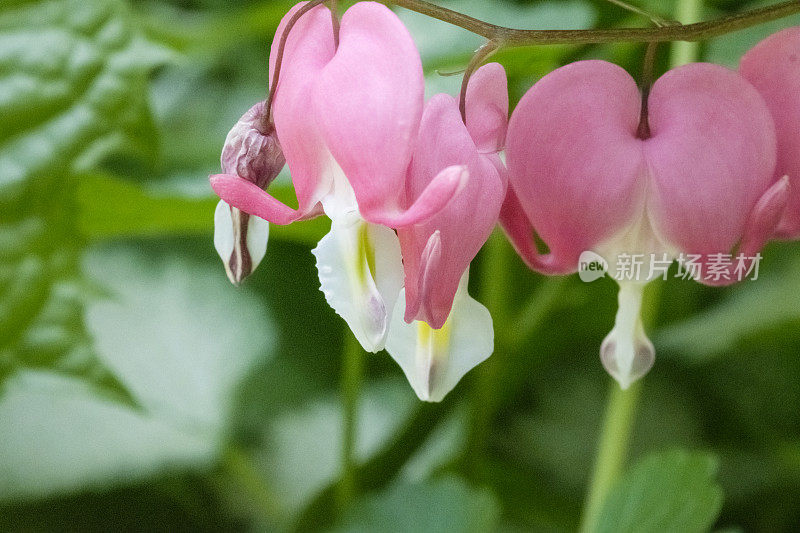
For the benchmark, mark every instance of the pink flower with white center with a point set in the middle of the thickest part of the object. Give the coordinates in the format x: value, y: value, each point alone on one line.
x: 773, y: 67
x: 701, y: 183
x: 446, y: 332
x: 251, y: 152
x: 347, y: 118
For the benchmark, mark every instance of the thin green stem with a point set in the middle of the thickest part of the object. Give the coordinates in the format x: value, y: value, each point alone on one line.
x: 655, y: 19
x: 643, y: 132
x: 612, y: 450
x: 494, y: 291
x: 617, y: 428
x: 482, y: 54
x: 351, y: 381
x: 239, y: 466
x: 535, y: 311
x: 494, y: 283
x: 692, y: 32
x: 686, y: 11
x: 266, y: 119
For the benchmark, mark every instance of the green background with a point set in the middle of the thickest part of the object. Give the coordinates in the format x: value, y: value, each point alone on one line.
x: 139, y: 390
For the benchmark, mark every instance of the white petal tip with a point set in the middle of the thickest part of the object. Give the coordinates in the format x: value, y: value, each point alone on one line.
x: 240, y: 240
x: 360, y: 273
x: 627, y: 359
x: 434, y: 361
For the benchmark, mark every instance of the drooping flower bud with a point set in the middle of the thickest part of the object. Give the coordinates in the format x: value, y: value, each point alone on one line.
x: 251, y: 152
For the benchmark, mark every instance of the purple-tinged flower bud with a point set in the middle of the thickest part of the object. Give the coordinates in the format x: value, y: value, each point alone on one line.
x: 252, y: 150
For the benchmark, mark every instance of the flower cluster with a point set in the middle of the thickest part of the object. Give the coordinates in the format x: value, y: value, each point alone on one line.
x: 413, y: 189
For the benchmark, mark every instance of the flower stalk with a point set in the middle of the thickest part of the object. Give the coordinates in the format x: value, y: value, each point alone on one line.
x: 510, y: 37
x: 622, y: 404
x: 612, y: 450
x: 267, y: 117
x: 483, y: 53
x: 351, y: 381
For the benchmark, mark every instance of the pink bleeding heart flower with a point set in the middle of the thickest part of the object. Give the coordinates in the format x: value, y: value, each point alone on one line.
x: 446, y: 332
x: 354, y: 109
x: 701, y: 184
x: 773, y: 67
x: 347, y: 117
x: 252, y: 153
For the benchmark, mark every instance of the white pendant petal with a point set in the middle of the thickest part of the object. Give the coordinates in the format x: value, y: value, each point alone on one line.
x: 223, y: 231
x: 434, y: 361
x: 361, y: 272
x: 626, y: 353
x: 257, y: 238
x: 388, y: 263
x: 240, y: 240
x: 340, y: 199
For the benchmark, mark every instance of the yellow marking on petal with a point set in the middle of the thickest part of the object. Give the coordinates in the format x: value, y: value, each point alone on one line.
x: 433, y: 350
x: 365, y: 251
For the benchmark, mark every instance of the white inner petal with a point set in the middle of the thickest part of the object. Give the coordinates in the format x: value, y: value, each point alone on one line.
x: 434, y: 361
x: 361, y: 273
x: 340, y: 199
x: 360, y: 266
x: 638, y: 243
x: 626, y: 353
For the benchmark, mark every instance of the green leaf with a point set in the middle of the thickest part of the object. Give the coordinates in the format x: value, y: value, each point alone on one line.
x: 672, y: 491
x: 112, y: 208
x: 177, y: 338
x: 204, y: 32
x: 71, y: 74
x: 303, y: 452
x: 59, y: 434
x: 73, y: 79
x: 751, y: 308
x: 446, y: 505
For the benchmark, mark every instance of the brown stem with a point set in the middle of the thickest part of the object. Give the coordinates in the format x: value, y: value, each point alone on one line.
x: 333, y: 5
x: 690, y: 32
x: 643, y: 132
x: 481, y: 54
x: 510, y: 37
x: 266, y: 118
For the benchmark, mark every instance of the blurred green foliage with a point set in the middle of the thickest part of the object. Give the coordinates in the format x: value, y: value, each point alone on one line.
x: 139, y: 391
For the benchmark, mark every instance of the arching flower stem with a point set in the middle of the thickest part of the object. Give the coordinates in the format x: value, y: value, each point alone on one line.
x: 266, y: 118
x: 334, y: 7
x: 643, y: 132
x: 510, y: 37
x: 483, y: 53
